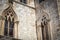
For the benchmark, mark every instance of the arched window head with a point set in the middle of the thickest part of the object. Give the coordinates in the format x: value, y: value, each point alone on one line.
x: 9, y: 15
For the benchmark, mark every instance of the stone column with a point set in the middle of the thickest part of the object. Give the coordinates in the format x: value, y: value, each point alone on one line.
x: 16, y: 29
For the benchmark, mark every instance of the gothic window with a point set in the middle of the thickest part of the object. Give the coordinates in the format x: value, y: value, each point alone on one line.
x: 9, y: 23
x: 40, y: 1
x: 23, y: 1
x: 44, y: 28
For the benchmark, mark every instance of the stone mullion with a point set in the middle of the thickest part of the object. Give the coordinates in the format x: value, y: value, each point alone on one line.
x: 8, y: 28
x: 8, y: 24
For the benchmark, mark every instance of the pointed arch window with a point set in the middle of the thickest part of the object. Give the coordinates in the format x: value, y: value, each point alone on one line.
x: 6, y: 26
x: 44, y: 28
x: 9, y: 26
x: 9, y: 23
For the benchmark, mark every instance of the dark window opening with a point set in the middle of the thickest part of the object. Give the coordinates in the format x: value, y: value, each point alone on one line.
x: 40, y: 1
x: 23, y: 1
x: 9, y: 26
x: 44, y: 28
x: 6, y: 26
x: 20, y: 0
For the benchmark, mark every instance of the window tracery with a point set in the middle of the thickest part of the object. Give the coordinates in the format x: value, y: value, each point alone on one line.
x: 9, y: 22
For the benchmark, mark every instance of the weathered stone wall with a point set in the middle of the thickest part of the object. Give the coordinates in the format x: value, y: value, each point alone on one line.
x: 3, y: 5
x: 26, y: 18
x: 49, y: 7
x: 58, y: 3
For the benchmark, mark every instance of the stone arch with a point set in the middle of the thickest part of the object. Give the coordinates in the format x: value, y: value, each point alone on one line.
x: 9, y: 9
x: 9, y: 15
x: 45, y: 14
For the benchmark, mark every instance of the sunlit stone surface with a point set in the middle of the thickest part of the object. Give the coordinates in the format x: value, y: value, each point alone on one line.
x: 26, y: 17
x: 30, y: 19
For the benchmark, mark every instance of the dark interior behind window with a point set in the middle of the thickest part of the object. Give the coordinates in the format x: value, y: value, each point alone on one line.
x: 40, y: 1
x: 23, y: 1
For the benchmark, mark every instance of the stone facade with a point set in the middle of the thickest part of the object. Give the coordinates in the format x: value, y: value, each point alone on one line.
x: 49, y: 7
x: 28, y: 20
x: 26, y: 17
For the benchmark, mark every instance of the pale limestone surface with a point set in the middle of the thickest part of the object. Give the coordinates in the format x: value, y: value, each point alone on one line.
x: 49, y: 7
x: 26, y: 18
